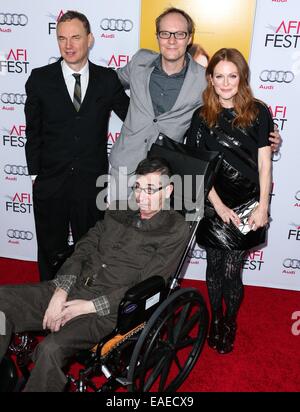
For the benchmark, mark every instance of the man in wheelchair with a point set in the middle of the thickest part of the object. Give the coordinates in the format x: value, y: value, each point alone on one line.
x: 80, y: 306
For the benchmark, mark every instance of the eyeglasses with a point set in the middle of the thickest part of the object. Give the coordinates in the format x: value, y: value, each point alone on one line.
x: 148, y: 190
x: 179, y: 35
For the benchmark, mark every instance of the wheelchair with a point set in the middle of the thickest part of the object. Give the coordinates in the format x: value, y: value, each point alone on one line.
x: 160, y: 332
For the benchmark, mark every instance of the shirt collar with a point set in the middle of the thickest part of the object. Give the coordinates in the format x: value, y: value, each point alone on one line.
x: 157, y: 65
x: 67, y: 71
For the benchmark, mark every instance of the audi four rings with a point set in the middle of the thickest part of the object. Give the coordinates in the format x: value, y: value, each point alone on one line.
x: 116, y: 24
x: 16, y: 170
x: 276, y: 156
x: 279, y: 76
x: 197, y: 254
x: 13, y: 19
x: 20, y: 234
x: 297, y: 195
x: 13, y: 98
x: 291, y: 263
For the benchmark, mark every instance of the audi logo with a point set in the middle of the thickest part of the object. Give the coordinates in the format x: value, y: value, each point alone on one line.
x: 297, y: 195
x: 53, y: 59
x: 19, y: 234
x: 16, y: 170
x: 291, y: 263
x: 13, y: 19
x: 116, y: 24
x: 13, y: 98
x: 278, y: 76
x: 276, y: 156
x: 197, y: 254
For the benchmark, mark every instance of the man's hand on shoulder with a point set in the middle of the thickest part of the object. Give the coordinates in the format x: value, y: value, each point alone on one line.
x: 275, y: 140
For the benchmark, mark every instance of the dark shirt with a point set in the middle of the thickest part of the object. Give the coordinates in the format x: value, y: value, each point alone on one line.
x: 164, y: 89
x: 123, y: 250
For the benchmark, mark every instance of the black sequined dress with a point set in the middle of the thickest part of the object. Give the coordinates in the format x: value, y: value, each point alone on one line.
x: 237, y: 181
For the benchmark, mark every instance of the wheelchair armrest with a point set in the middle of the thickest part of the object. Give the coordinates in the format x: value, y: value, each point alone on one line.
x: 146, y: 287
x: 139, y: 303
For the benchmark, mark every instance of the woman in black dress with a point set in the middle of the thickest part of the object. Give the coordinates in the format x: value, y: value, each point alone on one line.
x: 234, y: 123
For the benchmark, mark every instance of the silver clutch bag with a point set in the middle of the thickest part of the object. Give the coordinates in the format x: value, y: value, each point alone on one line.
x: 244, y: 215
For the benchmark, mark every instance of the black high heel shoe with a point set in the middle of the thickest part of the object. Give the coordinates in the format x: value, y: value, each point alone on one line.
x: 215, y: 329
x: 225, y: 344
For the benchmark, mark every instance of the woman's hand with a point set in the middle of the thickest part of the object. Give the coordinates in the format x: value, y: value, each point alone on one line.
x: 227, y: 214
x: 224, y: 212
x: 259, y: 218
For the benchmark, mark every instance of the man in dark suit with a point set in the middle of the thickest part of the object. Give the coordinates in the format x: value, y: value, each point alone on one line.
x: 67, y: 112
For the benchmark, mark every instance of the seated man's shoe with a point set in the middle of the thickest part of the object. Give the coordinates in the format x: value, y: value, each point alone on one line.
x: 215, y: 329
x: 225, y: 344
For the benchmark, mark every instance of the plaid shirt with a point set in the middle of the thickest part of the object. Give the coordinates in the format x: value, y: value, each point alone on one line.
x: 101, y: 303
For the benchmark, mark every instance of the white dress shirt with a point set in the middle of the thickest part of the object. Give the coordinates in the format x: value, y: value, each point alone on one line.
x: 70, y: 79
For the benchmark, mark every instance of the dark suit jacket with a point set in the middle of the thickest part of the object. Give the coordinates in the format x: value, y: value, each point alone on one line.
x: 62, y: 141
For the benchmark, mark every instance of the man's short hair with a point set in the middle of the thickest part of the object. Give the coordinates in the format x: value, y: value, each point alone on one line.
x: 72, y: 14
x: 154, y: 165
x: 190, y: 22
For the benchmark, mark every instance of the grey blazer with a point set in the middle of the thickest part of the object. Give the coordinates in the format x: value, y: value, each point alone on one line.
x: 141, y: 128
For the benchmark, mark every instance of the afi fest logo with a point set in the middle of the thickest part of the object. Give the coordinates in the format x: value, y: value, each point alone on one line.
x: 19, y: 203
x: 254, y: 260
x: 111, y: 140
x: 294, y: 234
x: 14, y: 62
x: 272, y: 192
x: 286, y: 35
x: 279, y: 114
x: 14, y: 137
x: 52, y: 24
x: 118, y: 60
x: 115, y: 61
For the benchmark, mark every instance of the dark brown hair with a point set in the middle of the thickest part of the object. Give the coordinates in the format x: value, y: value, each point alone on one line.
x: 154, y: 165
x: 72, y: 14
x: 243, y: 101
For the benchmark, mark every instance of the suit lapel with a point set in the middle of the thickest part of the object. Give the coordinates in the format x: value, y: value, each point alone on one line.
x: 59, y: 85
x: 143, y: 80
x: 93, y: 86
x: 149, y: 103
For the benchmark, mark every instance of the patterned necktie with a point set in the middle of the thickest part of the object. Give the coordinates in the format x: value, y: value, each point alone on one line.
x: 77, y: 92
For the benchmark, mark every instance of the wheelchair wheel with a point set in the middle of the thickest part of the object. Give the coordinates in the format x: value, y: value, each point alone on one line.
x: 170, y: 343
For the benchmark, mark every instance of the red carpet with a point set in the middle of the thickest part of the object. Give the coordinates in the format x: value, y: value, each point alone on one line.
x: 266, y: 357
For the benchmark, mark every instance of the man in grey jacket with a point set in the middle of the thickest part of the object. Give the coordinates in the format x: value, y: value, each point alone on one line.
x: 80, y: 306
x: 165, y: 89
